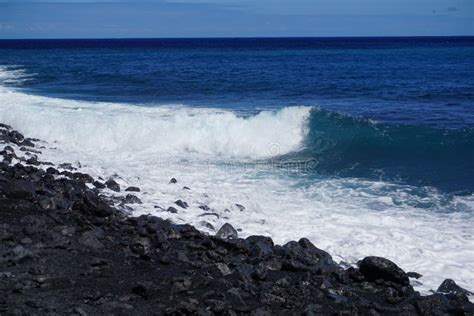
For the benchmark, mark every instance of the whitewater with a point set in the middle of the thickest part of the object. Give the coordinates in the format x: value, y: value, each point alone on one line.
x: 226, y: 160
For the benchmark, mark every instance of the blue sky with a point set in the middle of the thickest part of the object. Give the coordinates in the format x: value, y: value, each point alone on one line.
x: 232, y: 18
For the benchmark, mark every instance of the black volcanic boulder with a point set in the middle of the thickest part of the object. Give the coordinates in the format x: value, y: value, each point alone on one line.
x: 227, y: 232
x: 181, y: 204
x: 450, y: 287
x: 92, y: 204
x: 378, y: 268
x: 260, y: 246
x: 308, y: 255
x: 112, y: 185
x: 132, y: 189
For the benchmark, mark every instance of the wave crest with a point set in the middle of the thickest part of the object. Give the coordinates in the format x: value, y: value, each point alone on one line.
x: 165, y: 130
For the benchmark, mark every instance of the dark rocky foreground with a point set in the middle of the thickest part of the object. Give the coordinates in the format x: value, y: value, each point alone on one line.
x: 65, y: 250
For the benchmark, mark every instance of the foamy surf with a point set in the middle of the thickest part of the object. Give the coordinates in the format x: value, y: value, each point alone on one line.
x: 144, y: 146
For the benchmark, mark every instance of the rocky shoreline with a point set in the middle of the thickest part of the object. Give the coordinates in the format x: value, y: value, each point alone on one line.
x: 64, y: 249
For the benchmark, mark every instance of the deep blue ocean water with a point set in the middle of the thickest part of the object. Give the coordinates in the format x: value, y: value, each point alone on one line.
x: 397, y: 109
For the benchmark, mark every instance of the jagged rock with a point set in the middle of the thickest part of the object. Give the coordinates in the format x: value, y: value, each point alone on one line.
x: 450, y: 287
x: 375, y: 268
x: 227, y: 232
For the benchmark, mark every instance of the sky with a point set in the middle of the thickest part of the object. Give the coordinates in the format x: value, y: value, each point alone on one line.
x: 233, y: 18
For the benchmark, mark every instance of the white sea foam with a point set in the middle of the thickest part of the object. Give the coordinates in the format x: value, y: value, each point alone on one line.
x: 208, y: 150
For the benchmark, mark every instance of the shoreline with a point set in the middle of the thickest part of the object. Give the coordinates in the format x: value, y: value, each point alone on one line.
x: 66, y: 249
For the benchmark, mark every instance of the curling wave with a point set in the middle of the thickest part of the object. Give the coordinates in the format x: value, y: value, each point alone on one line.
x: 165, y: 130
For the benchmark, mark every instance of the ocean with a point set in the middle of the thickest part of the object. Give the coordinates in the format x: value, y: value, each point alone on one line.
x: 363, y: 145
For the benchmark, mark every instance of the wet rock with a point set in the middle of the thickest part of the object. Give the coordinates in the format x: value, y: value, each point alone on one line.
x: 99, y: 185
x: 204, y: 207
x: 227, y: 232
x: 240, y: 207
x: 414, y: 275
x: 132, y: 189
x: 85, y: 178
x: 377, y: 268
x: 207, y: 225
x: 172, y: 210
x: 450, y: 287
x: 209, y: 214
x: 9, y: 150
x: 33, y: 161
x: 66, y: 166
x: 181, y: 204
x: 52, y: 171
x: 112, y: 185
x: 131, y: 199
x: 92, y: 204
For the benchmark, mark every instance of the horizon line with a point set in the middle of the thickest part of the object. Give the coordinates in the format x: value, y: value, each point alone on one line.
x: 237, y: 37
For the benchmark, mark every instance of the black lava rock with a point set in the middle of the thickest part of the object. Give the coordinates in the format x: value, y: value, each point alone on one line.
x: 450, y: 287
x: 132, y: 189
x: 181, y: 204
x: 172, y: 210
x: 377, y: 268
x: 112, y: 185
x: 227, y: 232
